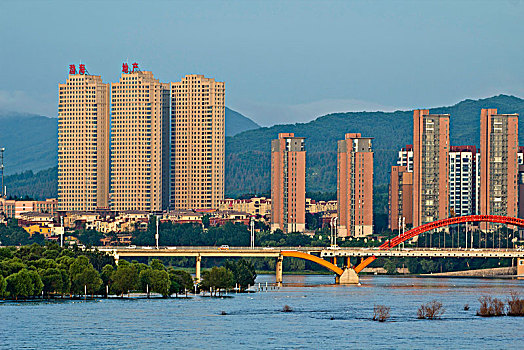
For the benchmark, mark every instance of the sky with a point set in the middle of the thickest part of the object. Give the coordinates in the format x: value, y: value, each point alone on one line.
x: 282, y: 62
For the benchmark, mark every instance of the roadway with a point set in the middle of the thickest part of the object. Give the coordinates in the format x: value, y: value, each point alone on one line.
x: 424, y: 253
x: 321, y: 251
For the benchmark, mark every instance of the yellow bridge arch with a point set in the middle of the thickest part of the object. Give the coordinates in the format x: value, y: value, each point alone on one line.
x: 315, y: 259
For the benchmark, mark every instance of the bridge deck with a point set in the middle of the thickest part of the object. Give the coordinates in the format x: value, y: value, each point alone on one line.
x: 206, y: 251
x: 425, y: 253
x: 324, y: 252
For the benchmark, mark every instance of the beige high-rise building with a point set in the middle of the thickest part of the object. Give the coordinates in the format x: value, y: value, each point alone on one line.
x: 83, y: 142
x: 197, y: 143
x: 139, y: 142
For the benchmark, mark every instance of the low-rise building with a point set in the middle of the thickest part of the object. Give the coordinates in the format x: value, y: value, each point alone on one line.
x: 253, y: 206
x: 219, y: 218
x: 183, y: 217
x: 13, y: 208
x: 313, y: 206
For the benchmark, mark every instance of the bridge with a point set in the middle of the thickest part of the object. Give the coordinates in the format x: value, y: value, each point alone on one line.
x: 348, y: 274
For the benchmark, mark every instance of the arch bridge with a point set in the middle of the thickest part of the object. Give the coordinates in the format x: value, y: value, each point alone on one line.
x: 346, y: 275
x: 393, y: 242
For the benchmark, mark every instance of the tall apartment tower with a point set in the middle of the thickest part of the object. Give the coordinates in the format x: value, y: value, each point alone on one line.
x: 430, y: 166
x: 498, y: 163
x: 400, y: 197
x: 288, y: 183
x: 463, y: 180
x: 355, y: 186
x: 197, y: 143
x: 139, y: 142
x: 83, y: 142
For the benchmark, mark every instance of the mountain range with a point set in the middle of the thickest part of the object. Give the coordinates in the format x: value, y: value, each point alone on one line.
x: 31, y: 140
x: 248, y: 152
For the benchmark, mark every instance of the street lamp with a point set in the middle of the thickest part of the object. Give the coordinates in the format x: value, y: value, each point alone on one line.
x: 334, y: 231
x: 156, y: 235
x: 62, y: 232
x: 2, y: 194
x: 252, y: 225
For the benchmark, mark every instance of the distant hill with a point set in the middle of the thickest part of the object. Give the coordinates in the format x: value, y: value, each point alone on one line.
x: 31, y: 140
x: 237, y: 123
x: 40, y: 185
x: 248, y: 153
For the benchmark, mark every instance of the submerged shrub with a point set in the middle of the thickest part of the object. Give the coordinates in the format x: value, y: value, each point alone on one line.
x: 431, y: 311
x: 515, y: 305
x: 490, y: 307
x: 381, y: 313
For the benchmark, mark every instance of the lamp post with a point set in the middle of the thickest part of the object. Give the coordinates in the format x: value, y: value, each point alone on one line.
x: 252, y: 225
x: 335, y: 231
x: 62, y: 232
x: 2, y: 168
x: 156, y: 235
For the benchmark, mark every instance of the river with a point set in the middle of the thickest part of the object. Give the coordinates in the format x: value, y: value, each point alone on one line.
x: 324, y: 316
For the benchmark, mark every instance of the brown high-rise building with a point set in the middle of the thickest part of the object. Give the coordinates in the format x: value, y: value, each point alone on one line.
x: 197, y: 143
x: 355, y: 186
x: 139, y: 142
x: 83, y: 142
x: 400, y: 197
x: 498, y: 163
x: 288, y: 183
x: 430, y: 167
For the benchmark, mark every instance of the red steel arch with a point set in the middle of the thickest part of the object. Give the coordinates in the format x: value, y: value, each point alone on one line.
x: 441, y: 223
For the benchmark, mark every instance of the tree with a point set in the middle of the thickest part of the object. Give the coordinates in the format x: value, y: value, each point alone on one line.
x: 206, y: 221
x: 217, y: 278
x: 180, y: 281
x: 11, y: 266
x: 52, y: 280
x: 157, y: 265
x: 90, y: 237
x: 3, y: 286
x: 107, y: 272
x: 390, y: 266
x: 154, y: 280
x: 243, y: 272
x: 125, y: 278
x: 20, y: 284
x: 83, y: 275
x: 36, y: 282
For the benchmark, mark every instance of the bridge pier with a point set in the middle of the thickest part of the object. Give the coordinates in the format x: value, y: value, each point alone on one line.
x: 279, y: 269
x: 197, y: 271
x: 349, y: 276
x: 520, y: 268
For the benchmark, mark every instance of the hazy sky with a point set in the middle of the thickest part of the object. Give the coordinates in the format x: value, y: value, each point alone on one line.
x: 282, y: 62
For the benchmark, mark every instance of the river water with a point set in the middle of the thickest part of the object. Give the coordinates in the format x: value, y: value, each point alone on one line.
x: 324, y: 316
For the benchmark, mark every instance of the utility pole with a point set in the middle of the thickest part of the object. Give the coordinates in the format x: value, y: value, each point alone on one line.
x: 403, y: 229
x: 252, y: 225
x: 2, y: 168
x: 62, y: 232
x: 331, y: 231
x: 466, y: 234
x: 156, y: 235
x: 335, y: 232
